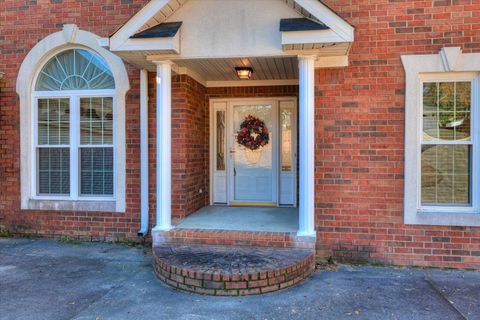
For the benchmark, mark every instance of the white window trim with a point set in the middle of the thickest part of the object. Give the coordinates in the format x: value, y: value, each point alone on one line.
x: 69, y: 38
x: 449, y: 65
x: 74, y: 98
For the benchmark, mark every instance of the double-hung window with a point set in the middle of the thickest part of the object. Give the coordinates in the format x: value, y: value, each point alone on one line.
x: 73, y: 135
x: 447, y: 145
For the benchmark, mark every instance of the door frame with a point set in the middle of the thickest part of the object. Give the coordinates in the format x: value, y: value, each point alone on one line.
x: 216, y: 104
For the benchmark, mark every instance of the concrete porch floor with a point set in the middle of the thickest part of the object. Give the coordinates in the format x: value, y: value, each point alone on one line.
x: 270, y: 219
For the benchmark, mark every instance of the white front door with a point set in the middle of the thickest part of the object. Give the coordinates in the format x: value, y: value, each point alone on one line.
x: 253, y: 151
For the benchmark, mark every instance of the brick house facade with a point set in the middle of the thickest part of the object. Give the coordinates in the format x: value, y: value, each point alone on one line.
x: 359, y: 132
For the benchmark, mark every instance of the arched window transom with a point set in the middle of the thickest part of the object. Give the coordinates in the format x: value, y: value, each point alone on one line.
x: 75, y: 69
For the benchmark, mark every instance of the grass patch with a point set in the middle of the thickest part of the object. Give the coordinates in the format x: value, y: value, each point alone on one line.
x: 4, y: 233
x: 68, y: 240
x: 128, y: 242
x: 131, y: 243
x: 330, y: 265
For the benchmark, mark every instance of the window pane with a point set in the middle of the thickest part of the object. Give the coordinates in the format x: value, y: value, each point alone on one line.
x: 446, y: 174
x: 75, y: 69
x: 53, y: 121
x: 96, y: 120
x: 53, y: 171
x: 446, y: 111
x: 96, y: 171
x: 221, y: 145
x: 286, y: 128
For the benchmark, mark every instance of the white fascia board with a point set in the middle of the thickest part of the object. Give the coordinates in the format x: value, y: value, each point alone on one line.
x: 136, y: 22
x: 331, y: 62
x: 171, y: 44
x: 329, y: 18
x: 310, y: 36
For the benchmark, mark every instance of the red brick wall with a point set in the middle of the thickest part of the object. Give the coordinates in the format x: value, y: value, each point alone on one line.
x: 22, y: 25
x: 359, y: 129
x: 190, y: 141
x: 359, y: 118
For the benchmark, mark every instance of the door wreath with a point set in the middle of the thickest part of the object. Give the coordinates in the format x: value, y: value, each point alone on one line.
x: 253, y: 133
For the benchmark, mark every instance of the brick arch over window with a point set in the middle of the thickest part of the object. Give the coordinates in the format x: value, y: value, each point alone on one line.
x: 69, y: 37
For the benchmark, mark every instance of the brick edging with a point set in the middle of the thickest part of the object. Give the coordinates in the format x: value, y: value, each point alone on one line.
x: 223, y: 284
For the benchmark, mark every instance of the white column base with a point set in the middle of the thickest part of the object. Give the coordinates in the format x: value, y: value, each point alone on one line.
x: 162, y: 228
x: 159, y: 236
x: 306, y: 234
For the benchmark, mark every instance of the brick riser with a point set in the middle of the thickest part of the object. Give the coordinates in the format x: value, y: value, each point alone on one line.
x: 221, y: 284
x: 234, y: 238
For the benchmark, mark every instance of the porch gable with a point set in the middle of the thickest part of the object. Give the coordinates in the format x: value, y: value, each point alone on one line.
x: 220, y: 29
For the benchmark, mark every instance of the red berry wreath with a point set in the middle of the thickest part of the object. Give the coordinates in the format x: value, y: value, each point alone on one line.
x: 253, y: 133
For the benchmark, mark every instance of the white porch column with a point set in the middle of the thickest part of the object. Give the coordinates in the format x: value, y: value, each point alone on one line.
x: 306, y: 66
x: 164, y: 140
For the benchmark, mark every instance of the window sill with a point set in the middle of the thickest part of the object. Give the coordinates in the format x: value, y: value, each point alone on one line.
x: 70, y: 205
x: 444, y: 219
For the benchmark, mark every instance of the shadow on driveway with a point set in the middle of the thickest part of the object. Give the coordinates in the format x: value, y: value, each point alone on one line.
x: 43, y: 279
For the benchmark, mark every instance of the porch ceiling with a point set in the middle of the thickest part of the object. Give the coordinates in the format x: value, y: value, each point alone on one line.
x: 264, y: 68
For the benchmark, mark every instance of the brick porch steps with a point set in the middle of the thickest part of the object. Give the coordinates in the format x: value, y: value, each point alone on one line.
x: 231, y: 270
x: 235, y: 238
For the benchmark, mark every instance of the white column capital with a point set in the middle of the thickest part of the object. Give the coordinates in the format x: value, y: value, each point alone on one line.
x: 163, y: 62
x: 310, y: 57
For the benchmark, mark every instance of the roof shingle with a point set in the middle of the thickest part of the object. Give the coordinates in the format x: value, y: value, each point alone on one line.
x: 301, y: 24
x: 162, y: 30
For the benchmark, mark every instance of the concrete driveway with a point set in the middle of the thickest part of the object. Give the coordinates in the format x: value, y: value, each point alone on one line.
x: 42, y: 279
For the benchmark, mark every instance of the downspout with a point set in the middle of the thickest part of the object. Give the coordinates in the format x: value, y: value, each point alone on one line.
x: 143, y: 153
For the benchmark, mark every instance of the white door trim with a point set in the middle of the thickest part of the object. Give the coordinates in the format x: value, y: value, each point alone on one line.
x: 228, y: 105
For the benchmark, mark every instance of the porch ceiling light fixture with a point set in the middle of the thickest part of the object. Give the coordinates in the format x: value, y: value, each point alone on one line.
x: 244, y: 73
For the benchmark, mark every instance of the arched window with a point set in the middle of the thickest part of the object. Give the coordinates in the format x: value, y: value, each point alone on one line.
x: 74, y: 138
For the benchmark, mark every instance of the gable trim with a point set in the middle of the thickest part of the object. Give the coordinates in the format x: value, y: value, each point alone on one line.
x: 329, y: 18
x: 136, y: 22
x: 342, y: 31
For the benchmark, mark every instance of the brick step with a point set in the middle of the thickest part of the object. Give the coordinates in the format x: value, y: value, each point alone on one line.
x: 235, y: 238
x: 231, y: 270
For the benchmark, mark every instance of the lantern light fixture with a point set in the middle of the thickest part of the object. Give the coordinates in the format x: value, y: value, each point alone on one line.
x: 244, y: 73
